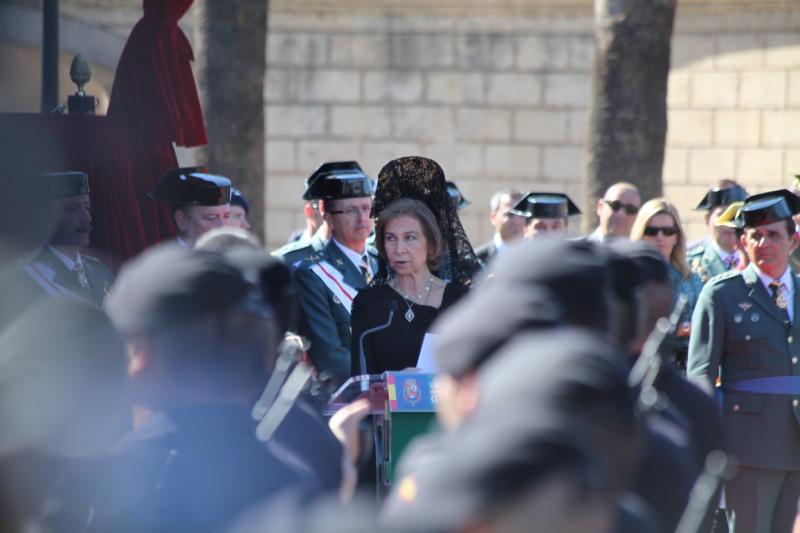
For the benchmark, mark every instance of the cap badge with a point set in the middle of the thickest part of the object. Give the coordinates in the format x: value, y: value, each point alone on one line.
x: 411, y: 391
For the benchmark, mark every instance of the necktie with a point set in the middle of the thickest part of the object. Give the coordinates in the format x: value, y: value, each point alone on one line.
x: 366, y: 271
x: 780, y: 298
x: 80, y: 272
x: 731, y: 262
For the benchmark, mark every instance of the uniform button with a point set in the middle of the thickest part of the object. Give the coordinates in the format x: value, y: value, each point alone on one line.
x: 794, y: 360
x: 790, y: 339
x: 795, y: 402
x: 747, y: 337
x: 736, y: 407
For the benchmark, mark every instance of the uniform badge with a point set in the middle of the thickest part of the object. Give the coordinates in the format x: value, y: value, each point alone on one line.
x: 336, y: 300
x: 738, y: 318
x: 755, y: 317
x: 696, y: 263
x: 339, y: 262
x: 744, y: 306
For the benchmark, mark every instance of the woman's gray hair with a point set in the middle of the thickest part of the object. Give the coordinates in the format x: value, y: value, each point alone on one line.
x: 420, y: 212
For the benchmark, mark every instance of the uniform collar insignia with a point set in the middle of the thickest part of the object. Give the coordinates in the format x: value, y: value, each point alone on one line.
x: 340, y: 262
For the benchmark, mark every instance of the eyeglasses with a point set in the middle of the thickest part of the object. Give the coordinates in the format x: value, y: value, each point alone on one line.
x: 616, y: 205
x: 668, y: 231
x: 353, y: 212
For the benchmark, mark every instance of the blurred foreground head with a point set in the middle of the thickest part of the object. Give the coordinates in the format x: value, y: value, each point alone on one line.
x: 551, y: 443
x: 197, y: 330
x: 63, y: 381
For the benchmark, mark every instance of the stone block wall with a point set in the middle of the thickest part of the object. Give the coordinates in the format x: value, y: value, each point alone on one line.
x: 496, y: 105
x: 500, y: 101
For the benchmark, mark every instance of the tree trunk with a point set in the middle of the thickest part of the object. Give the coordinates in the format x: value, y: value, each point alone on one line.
x: 231, y: 62
x: 628, y: 107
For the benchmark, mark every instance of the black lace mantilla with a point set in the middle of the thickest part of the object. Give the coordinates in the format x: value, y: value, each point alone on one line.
x: 423, y: 179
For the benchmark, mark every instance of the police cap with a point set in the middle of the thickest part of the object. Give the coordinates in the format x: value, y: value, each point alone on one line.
x: 730, y: 218
x: 68, y: 183
x: 768, y: 207
x: 717, y: 196
x: 458, y: 200
x: 237, y: 198
x: 545, y: 205
x: 170, y: 284
x: 192, y: 186
x: 336, y: 180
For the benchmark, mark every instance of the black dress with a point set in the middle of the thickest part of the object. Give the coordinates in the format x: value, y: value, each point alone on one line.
x: 396, y: 347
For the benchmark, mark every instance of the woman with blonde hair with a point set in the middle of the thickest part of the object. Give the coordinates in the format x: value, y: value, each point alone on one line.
x: 659, y: 224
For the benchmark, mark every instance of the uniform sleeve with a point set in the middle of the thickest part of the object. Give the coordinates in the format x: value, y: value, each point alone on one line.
x: 327, y: 350
x: 705, y: 343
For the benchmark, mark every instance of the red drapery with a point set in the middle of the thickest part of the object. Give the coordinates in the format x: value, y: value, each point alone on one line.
x: 154, y: 104
x: 124, y: 219
x: 154, y: 84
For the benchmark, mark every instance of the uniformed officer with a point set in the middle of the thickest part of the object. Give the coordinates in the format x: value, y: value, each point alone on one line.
x: 329, y: 280
x: 508, y: 227
x: 199, y: 201
x: 546, y: 214
x: 315, y: 241
x: 458, y: 200
x: 59, y: 268
x: 745, y: 331
x: 198, y: 336
x: 716, y: 252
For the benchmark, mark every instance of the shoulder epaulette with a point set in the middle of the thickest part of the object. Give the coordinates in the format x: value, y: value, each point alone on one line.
x: 291, y: 247
x: 730, y: 274
x: 696, y: 250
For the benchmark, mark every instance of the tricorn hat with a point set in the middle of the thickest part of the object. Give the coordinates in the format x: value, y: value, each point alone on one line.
x: 68, y: 183
x: 338, y: 179
x: 192, y: 186
x: 717, y: 196
x: 237, y: 198
x: 730, y: 217
x: 768, y: 207
x: 545, y: 205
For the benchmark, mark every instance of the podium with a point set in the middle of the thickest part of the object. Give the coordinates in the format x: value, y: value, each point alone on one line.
x: 403, y: 406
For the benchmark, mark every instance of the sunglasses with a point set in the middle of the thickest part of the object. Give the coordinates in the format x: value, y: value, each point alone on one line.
x: 616, y: 205
x: 668, y: 231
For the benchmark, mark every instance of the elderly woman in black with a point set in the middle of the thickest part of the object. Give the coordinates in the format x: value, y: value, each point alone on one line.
x: 427, y: 265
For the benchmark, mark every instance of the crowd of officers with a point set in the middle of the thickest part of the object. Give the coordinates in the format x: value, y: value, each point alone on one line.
x: 140, y: 404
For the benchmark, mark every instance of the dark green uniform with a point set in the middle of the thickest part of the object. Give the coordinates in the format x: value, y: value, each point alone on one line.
x: 704, y: 261
x: 327, y: 313
x: 294, y: 253
x: 739, y: 333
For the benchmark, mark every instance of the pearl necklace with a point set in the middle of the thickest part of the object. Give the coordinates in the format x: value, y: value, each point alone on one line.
x: 421, y: 298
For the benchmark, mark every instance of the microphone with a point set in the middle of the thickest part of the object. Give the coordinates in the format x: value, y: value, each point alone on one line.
x: 362, y: 358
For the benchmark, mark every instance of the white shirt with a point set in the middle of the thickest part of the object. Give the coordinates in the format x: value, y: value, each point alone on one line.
x: 353, y: 256
x: 787, y: 289
x: 725, y: 256
x: 68, y: 262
